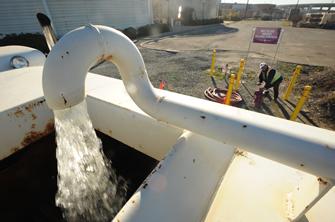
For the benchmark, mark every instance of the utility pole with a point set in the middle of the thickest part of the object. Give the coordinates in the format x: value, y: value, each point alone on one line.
x: 246, y: 9
x: 296, y: 6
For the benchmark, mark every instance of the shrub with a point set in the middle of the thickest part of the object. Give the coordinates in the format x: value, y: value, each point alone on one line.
x: 33, y: 40
x: 202, y: 21
x: 153, y: 29
x: 130, y: 32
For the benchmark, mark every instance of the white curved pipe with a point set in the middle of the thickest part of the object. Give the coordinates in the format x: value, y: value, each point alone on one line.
x: 304, y: 147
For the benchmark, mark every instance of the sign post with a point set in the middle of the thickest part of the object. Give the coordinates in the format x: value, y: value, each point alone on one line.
x: 267, y: 35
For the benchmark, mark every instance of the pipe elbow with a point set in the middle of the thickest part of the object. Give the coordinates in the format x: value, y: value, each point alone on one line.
x: 66, y: 67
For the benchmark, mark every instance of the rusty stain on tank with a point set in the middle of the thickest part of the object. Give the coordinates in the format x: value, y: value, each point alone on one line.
x: 33, y: 105
x: 241, y: 153
x: 18, y: 113
x: 322, y: 181
x: 108, y: 58
x: 14, y: 149
x: 35, y: 135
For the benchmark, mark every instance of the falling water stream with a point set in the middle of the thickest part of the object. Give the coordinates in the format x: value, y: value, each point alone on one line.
x: 87, y: 184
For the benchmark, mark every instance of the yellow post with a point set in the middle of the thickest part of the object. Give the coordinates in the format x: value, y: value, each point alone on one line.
x: 301, y: 102
x: 230, y: 89
x: 212, y: 71
x: 239, y: 74
x: 296, y: 73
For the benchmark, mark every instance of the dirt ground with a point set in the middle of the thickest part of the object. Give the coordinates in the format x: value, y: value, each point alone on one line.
x: 186, y: 72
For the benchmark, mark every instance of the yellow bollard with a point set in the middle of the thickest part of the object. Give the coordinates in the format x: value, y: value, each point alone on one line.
x: 301, y: 102
x: 296, y: 73
x: 239, y: 74
x: 212, y: 71
x: 230, y: 89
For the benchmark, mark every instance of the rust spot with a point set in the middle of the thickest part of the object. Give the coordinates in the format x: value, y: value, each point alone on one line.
x: 33, y: 116
x: 62, y: 57
x: 33, y: 126
x: 133, y: 201
x: 31, y: 106
x: 67, y: 52
x: 160, y: 99
x: 142, y: 72
x: 28, y: 108
x: 184, y: 177
x: 203, y: 117
x: 110, y: 132
x: 35, y: 135
x: 108, y: 58
x: 65, y: 101
x: 244, y: 126
x: 327, y: 146
x: 159, y: 166
x: 322, y: 181
x: 14, y: 149
x: 18, y: 113
x: 302, y: 165
x: 240, y: 153
x: 154, y: 171
x: 145, y: 185
x: 193, y: 160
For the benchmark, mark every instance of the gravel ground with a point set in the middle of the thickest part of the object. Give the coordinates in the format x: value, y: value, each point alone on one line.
x: 186, y: 72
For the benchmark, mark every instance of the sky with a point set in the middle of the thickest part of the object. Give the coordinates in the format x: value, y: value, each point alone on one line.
x: 278, y: 2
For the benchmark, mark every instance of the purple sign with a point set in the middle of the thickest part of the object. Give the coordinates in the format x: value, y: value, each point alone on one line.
x: 266, y: 35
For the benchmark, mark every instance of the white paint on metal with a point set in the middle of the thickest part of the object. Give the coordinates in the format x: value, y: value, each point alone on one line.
x: 301, y: 146
x: 182, y: 186
x: 116, y: 115
x: 20, y: 86
x: 306, y: 195
x: 254, y: 188
x: 33, y: 56
x: 24, y: 116
x: 22, y: 107
x: 21, y: 125
x: 258, y: 189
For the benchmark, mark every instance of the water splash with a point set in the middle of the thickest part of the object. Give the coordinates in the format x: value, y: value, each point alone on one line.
x: 87, y: 185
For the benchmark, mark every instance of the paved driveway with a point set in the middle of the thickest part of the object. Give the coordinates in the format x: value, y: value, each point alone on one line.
x: 298, y: 45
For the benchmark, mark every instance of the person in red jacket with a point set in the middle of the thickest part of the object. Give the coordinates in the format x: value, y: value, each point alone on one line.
x: 271, y: 78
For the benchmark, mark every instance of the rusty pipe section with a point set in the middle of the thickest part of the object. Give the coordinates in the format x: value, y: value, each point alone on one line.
x: 300, y: 146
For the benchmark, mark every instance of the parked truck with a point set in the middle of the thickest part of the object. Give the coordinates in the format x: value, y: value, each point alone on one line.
x: 319, y: 20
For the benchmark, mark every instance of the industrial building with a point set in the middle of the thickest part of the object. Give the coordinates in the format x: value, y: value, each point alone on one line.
x: 166, y: 11
x: 70, y: 14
